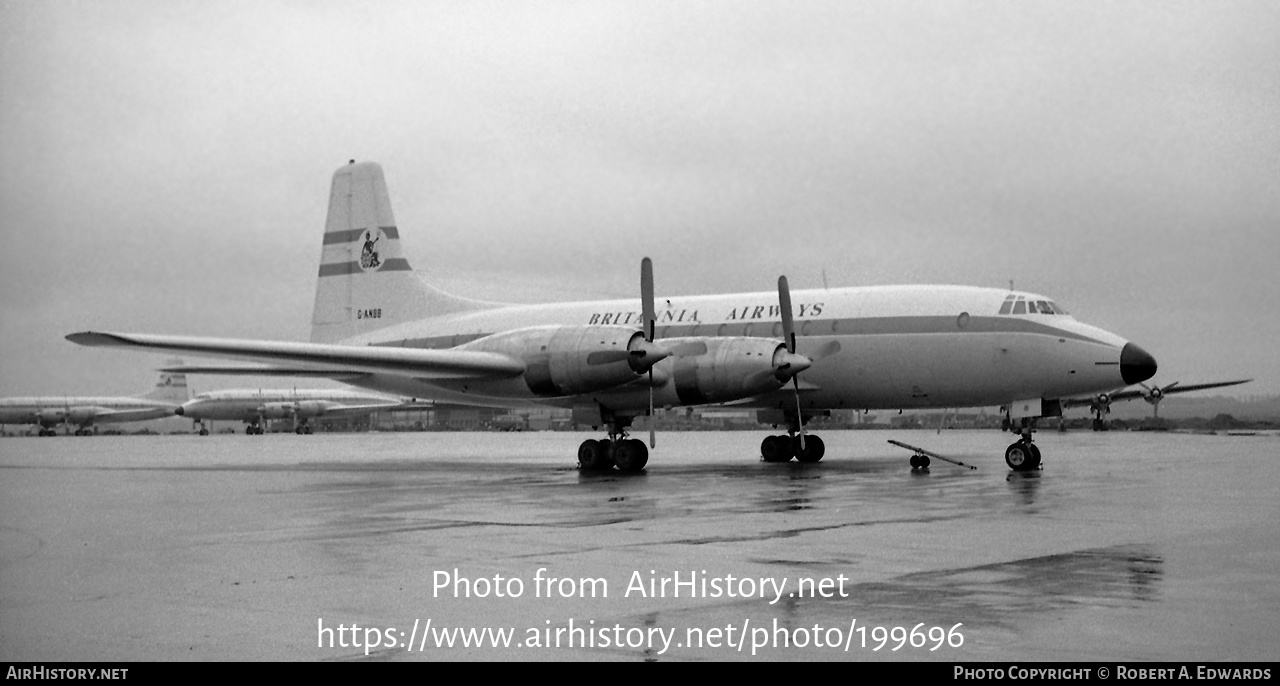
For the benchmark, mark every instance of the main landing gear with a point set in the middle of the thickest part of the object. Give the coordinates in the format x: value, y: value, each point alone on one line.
x: 1023, y: 455
x: 783, y: 447
x: 254, y: 430
x: 627, y: 454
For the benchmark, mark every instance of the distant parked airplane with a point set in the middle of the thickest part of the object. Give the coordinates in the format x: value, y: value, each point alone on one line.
x: 1100, y: 404
x: 255, y: 406
x: 86, y: 411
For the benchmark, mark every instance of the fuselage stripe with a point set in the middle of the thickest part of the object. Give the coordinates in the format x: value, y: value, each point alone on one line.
x: 340, y: 237
x: 869, y: 326
x: 395, y: 264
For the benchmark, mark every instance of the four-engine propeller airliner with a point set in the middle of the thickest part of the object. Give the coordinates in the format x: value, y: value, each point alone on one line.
x: 376, y: 325
x: 1100, y: 404
x: 85, y: 411
x: 254, y: 407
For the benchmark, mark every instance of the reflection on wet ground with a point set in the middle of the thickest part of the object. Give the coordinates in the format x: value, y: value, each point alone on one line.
x: 1134, y: 546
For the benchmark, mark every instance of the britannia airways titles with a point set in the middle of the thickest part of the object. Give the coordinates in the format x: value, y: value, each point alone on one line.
x: 746, y: 312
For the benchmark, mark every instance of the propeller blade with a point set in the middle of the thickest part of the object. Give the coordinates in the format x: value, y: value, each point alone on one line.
x: 648, y: 312
x: 799, y: 417
x: 653, y: 442
x: 788, y: 326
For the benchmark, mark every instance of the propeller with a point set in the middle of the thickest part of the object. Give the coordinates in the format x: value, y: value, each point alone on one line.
x: 1101, y: 404
x: 1155, y: 394
x: 790, y: 365
x: 649, y: 317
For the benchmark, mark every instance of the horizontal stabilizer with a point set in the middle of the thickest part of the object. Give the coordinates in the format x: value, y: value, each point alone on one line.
x: 427, y: 364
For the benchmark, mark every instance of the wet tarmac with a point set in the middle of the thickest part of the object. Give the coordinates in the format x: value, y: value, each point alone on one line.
x: 1126, y: 546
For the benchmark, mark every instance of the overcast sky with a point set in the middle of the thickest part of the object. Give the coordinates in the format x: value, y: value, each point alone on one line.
x: 166, y: 165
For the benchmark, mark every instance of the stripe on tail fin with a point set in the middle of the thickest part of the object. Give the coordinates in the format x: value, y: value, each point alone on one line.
x: 365, y: 283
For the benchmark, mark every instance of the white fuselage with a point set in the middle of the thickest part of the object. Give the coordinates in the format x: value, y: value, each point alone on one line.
x: 254, y: 405
x: 81, y: 410
x: 875, y: 347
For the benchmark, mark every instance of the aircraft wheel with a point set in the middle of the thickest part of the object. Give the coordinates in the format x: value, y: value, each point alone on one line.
x: 1034, y: 463
x: 204, y: 432
x: 1097, y: 425
x: 307, y: 429
x: 776, y: 448
x: 298, y: 430
x: 920, y: 461
x: 593, y: 454
x: 631, y: 455
x: 1019, y: 456
x: 813, y: 451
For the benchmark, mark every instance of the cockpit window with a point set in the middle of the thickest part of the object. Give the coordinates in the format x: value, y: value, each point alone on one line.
x: 1018, y: 304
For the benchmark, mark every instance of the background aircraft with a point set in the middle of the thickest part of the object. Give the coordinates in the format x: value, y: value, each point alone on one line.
x: 85, y: 411
x: 254, y: 407
x: 377, y: 326
x: 1100, y: 404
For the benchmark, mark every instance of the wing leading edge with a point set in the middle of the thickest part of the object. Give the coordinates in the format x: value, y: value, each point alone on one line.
x: 322, y: 358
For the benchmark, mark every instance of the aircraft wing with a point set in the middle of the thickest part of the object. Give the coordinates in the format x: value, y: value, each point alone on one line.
x: 103, y: 414
x: 335, y: 374
x: 322, y: 357
x: 356, y: 410
x: 1171, y: 389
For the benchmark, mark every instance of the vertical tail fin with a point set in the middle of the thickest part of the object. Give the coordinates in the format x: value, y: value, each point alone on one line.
x: 171, y: 388
x: 365, y: 282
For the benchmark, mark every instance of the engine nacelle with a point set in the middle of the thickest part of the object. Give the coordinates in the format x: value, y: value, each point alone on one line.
x: 51, y: 415
x: 277, y: 410
x: 310, y: 408
x: 80, y: 415
x: 723, y: 369
x: 570, y: 360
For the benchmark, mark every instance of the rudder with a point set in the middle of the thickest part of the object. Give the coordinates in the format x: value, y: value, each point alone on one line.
x: 365, y: 283
x: 170, y: 388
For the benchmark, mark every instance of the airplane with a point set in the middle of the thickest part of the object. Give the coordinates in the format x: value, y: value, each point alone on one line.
x: 377, y: 325
x: 1100, y: 404
x: 255, y: 406
x: 85, y: 411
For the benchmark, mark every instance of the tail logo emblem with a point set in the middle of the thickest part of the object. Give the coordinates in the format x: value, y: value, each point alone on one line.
x: 369, y: 258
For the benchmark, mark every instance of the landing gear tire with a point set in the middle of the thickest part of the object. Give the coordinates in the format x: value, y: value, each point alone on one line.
x: 204, y: 432
x: 776, y: 449
x: 1035, y: 457
x: 813, y: 450
x: 920, y: 462
x: 1022, y: 457
x: 631, y: 455
x: 595, y: 455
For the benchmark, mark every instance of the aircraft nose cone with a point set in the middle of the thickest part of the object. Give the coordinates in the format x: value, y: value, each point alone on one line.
x: 1136, y: 364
